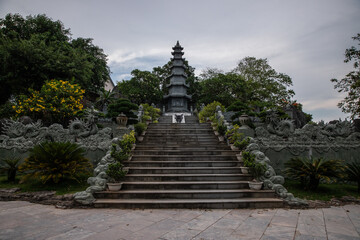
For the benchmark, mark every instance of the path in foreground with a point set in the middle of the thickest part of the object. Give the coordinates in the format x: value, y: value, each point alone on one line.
x: 23, y: 220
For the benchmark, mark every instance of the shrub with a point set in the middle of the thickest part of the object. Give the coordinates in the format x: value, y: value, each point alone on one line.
x: 10, y: 165
x: 257, y: 169
x: 123, y: 106
x: 116, y: 172
x: 140, y: 128
x: 127, y: 142
x: 55, y: 161
x: 242, y: 144
x: 353, y: 172
x: 311, y: 170
x: 233, y: 134
x: 221, y: 129
x: 150, y: 112
x: 57, y: 101
x: 209, y: 111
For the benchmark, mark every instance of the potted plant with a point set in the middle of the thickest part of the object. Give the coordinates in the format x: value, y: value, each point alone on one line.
x: 256, y: 169
x: 116, y: 173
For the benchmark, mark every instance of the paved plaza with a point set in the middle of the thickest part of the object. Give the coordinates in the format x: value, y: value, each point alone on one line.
x: 24, y: 220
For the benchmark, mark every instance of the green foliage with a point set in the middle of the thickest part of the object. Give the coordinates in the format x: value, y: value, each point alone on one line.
x: 143, y: 87
x: 68, y: 186
x: 353, y: 172
x: 264, y: 83
x: 116, y: 172
x: 55, y: 161
x: 233, y: 134
x: 221, y: 129
x: 123, y: 106
x: 105, y: 98
x: 223, y: 88
x: 242, y: 144
x: 58, y: 101
x: 257, y: 169
x: 37, y: 49
x: 140, y: 128
x: 350, y: 84
x: 209, y: 111
x: 324, y: 192
x: 126, y: 143
x: 10, y: 165
x: 309, y: 171
x: 6, y: 110
x: 150, y: 112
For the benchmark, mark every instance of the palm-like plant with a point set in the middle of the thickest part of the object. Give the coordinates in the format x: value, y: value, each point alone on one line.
x: 353, y: 172
x: 10, y: 165
x: 311, y: 170
x: 105, y: 98
x: 55, y: 161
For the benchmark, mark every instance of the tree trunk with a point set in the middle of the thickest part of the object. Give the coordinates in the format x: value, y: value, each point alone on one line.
x: 11, y: 175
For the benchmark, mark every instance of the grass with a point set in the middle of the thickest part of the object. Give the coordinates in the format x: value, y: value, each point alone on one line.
x: 61, y: 188
x: 324, y: 192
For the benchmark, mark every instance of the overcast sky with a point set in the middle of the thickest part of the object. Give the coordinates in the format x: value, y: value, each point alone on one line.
x: 305, y: 39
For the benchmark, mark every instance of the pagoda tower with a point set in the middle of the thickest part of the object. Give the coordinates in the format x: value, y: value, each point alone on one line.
x: 177, y: 100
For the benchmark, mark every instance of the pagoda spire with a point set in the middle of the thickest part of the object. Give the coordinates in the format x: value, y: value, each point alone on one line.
x: 177, y: 100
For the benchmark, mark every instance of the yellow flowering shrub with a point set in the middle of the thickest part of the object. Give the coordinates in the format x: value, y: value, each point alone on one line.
x: 57, y: 101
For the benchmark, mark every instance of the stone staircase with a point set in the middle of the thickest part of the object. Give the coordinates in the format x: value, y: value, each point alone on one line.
x: 185, y: 166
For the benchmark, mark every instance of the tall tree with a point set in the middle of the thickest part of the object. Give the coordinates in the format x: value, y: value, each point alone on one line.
x: 143, y: 87
x: 224, y: 88
x: 350, y: 84
x: 266, y: 84
x: 36, y: 48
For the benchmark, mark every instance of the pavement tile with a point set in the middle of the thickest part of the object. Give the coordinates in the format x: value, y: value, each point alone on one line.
x: 214, y: 233
x: 337, y: 236
x: 158, y: 229
x: 180, y: 233
x: 308, y: 237
x: 284, y: 221
x: 186, y: 215
x: 345, y: 228
x: 252, y: 227
x: 279, y: 232
x: 113, y: 233
x: 311, y: 230
x: 76, y: 233
x: 227, y: 223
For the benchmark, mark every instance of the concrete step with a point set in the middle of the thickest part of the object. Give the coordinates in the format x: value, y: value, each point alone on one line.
x: 183, y: 152
x: 182, y: 131
x: 187, y: 177
x: 184, y: 170
x: 186, y: 194
x: 190, y: 203
x: 179, y: 126
x: 183, y: 158
x: 180, y: 142
x: 153, y: 146
x: 187, y: 185
x: 182, y: 163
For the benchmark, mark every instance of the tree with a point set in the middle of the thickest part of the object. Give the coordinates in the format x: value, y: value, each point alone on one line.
x: 105, y: 98
x: 265, y: 84
x: 224, y: 88
x: 350, y: 84
x: 36, y: 49
x: 143, y: 87
x: 123, y: 106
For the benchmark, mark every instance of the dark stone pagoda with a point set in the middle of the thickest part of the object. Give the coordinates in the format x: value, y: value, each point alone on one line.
x: 177, y: 100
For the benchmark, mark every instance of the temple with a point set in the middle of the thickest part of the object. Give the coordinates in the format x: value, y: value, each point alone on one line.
x: 177, y: 100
